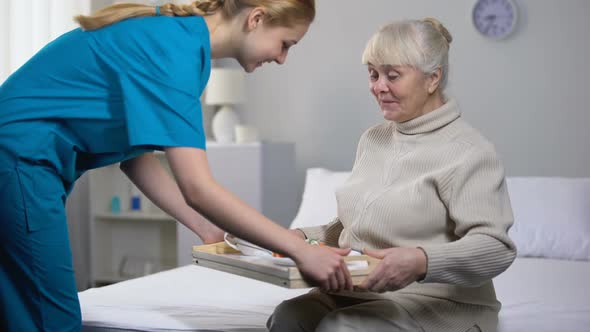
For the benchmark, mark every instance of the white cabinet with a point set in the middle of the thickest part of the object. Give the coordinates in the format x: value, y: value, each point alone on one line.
x: 130, y: 244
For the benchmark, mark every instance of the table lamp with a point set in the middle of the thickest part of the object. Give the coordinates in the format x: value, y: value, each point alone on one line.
x: 225, y: 89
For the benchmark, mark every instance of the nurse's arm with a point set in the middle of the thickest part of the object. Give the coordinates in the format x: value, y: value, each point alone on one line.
x: 191, y: 170
x: 202, y: 192
x: 148, y: 174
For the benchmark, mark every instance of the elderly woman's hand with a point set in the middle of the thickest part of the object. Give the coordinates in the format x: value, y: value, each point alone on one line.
x: 399, y: 268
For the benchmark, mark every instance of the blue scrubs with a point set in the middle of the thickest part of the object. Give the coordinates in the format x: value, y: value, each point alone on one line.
x: 88, y: 99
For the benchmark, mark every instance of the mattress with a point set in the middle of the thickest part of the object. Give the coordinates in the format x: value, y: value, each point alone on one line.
x: 537, y: 295
x: 544, y: 295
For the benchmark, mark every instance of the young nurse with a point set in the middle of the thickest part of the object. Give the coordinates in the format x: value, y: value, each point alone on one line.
x: 125, y: 84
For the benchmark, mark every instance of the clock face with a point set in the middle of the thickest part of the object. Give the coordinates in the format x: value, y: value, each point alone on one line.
x: 495, y: 18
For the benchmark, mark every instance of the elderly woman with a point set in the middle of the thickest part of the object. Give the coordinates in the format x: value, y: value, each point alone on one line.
x: 427, y: 195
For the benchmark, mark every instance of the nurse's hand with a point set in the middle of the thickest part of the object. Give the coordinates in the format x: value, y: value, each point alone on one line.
x: 212, y: 234
x: 324, y: 266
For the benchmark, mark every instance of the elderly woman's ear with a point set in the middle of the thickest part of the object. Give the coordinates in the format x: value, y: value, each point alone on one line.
x: 433, y: 80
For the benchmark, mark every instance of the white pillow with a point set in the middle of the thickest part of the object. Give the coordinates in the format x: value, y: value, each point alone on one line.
x: 318, y: 205
x: 551, y: 216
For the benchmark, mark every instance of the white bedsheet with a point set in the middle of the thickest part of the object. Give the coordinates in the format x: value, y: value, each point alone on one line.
x: 189, y: 298
x: 537, y: 295
x: 544, y: 295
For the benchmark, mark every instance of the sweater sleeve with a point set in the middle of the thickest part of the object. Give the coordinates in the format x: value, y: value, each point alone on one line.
x: 480, y: 210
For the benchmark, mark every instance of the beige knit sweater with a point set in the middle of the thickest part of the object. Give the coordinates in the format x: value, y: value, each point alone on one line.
x: 433, y: 182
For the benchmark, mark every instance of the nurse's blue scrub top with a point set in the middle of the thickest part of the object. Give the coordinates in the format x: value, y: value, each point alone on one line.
x: 94, y: 98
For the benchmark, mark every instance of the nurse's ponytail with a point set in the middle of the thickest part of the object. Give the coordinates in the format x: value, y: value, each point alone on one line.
x: 121, y: 11
x: 279, y: 12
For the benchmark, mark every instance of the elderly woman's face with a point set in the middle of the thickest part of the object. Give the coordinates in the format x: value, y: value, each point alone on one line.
x: 401, y: 91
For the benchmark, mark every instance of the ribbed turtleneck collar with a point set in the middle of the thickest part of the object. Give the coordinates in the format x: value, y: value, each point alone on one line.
x: 431, y: 121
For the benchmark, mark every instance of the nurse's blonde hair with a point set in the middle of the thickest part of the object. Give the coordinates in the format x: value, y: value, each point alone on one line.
x: 422, y: 44
x: 285, y: 13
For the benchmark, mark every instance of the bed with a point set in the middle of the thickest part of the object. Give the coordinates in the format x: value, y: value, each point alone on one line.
x: 545, y: 289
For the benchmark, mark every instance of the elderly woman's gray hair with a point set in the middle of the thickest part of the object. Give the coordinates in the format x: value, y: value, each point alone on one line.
x: 422, y: 44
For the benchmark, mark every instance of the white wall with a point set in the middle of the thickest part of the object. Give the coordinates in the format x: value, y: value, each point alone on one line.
x: 527, y: 94
x: 28, y: 25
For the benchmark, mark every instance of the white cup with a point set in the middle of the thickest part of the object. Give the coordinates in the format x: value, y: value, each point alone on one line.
x: 245, y: 134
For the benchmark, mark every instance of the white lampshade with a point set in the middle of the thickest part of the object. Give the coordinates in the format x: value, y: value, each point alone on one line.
x: 225, y: 87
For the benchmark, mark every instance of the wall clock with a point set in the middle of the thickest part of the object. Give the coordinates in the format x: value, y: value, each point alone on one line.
x: 495, y: 19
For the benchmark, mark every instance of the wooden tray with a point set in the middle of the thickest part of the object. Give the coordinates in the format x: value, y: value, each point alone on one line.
x: 219, y: 256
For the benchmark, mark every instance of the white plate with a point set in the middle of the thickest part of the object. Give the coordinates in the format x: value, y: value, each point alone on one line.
x: 286, y: 261
x: 250, y: 249
x: 245, y: 247
x: 282, y: 261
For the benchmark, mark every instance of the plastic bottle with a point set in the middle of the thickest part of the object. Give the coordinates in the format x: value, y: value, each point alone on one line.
x: 135, y: 198
x: 115, y: 205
